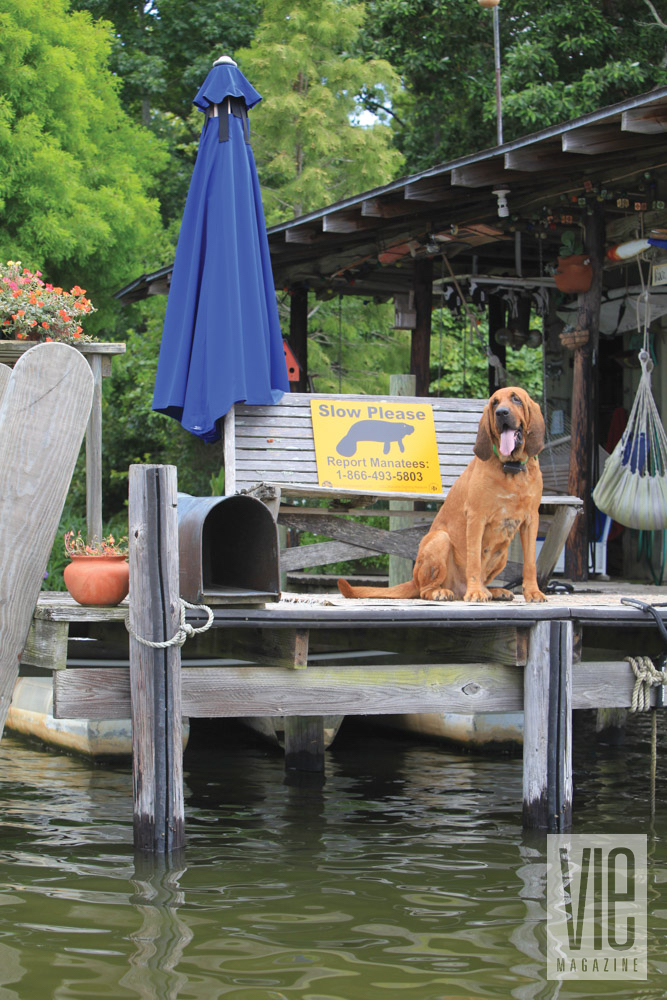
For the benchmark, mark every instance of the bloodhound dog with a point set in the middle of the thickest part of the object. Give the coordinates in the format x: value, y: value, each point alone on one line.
x: 497, y: 495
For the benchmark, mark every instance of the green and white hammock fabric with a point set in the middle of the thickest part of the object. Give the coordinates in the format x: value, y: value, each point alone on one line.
x: 633, y: 486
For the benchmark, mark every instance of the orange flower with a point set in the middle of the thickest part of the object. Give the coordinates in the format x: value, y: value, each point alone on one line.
x: 63, y: 315
x: 45, y: 324
x: 21, y: 312
x: 49, y: 339
x: 58, y: 291
x: 34, y: 322
x: 76, y: 335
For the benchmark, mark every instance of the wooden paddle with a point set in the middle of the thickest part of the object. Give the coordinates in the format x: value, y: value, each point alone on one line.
x: 44, y: 407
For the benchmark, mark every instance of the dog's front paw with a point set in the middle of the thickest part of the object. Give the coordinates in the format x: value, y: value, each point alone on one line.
x: 477, y: 595
x: 439, y: 594
x: 533, y: 594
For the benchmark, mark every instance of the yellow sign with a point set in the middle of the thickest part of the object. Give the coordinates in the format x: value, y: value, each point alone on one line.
x: 381, y: 446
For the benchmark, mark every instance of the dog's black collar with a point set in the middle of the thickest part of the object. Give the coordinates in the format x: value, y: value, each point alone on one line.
x: 511, y: 468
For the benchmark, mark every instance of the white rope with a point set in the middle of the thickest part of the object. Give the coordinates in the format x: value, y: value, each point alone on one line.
x: 646, y: 677
x: 184, y: 632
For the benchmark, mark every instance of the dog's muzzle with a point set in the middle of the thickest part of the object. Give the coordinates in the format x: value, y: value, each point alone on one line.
x: 510, y: 437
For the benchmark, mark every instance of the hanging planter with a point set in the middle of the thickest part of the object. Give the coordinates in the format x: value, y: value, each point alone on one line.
x: 574, y: 274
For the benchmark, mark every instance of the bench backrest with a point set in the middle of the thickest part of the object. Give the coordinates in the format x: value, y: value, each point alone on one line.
x: 274, y: 444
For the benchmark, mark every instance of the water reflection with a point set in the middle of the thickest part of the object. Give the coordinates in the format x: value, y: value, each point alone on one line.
x: 406, y: 875
x: 163, y: 935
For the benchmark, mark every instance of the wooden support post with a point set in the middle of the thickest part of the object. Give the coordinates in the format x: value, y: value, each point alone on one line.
x: 610, y: 725
x: 94, y: 453
x: 304, y: 734
x: 420, y: 345
x: 496, y: 322
x: 553, y: 543
x: 155, y: 674
x: 304, y: 743
x: 400, y: 568
x: 298, y: 335
x: 584, y: 396
x: 547, y: 735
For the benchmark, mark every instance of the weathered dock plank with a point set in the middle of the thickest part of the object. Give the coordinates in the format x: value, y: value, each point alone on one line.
x: 104, y: 692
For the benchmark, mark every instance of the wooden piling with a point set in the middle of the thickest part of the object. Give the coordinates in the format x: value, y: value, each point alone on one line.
x: 547, y: 737
x: 400, y: 568
x: 304, y: 743
x: 155, y: 674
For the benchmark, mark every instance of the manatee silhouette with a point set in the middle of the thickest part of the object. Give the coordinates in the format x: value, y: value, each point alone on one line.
x: 384, y: 431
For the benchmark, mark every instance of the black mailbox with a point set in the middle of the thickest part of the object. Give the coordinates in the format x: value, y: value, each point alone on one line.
x: 228, y: 550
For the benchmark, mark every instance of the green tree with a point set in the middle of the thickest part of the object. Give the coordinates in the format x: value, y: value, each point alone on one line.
x: 163, y: 49
x: 76, y: 171
x: 161, y: 52
x: 558, y: 61
x: 308, y: 148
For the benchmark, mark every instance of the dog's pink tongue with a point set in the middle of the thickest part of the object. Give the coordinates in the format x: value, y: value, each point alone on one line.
x: 507, y: 442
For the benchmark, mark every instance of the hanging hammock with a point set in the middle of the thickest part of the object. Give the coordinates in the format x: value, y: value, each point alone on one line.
x: 633, y: 486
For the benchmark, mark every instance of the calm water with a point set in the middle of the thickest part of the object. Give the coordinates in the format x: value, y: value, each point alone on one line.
x: 407, y: 876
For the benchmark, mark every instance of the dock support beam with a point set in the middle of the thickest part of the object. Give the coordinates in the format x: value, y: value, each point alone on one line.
x: 304, y: 743
x: 155, y: 674
x: 547, y: 737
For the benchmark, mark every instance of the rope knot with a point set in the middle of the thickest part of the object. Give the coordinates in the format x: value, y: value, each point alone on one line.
x: 646, y: 677
x: 185, y: 630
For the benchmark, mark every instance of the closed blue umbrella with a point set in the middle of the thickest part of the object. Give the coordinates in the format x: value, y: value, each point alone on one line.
x: 221, y: 341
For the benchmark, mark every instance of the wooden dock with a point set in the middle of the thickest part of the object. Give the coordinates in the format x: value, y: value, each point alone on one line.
x: 546, y: 660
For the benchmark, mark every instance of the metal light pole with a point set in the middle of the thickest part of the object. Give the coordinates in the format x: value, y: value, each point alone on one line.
x: 496, y: 51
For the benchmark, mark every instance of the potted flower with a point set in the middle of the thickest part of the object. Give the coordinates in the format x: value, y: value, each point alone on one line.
x: 33, y: 309
x: 99, y: 572
x: 574, y: 272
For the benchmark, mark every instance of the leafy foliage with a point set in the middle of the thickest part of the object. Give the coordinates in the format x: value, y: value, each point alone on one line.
x: 76, y: 173
x: 558, y: 61
x: 308, y: 150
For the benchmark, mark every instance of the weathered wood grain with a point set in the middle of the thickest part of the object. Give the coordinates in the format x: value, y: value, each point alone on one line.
x: 5, y: 375
x: 304, y: 743
x: 211, y: 692
x: 103, y: 692
x: 43, y: 415
x: 46, y: 646
x: 402, y: 542
x: 94, y: 453
x: 506, y: 646
x: 155, y: 674
x: 547, y: 733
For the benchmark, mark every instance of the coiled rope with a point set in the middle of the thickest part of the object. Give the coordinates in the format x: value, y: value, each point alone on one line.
x: 185, y: 631
x: 646, y: 677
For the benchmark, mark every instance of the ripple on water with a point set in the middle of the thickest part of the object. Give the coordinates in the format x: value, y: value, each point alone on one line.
x: 407, y: 875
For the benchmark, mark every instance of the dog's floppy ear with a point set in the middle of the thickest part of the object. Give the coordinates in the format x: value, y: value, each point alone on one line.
x: 484, y: 444
x: 534, y: 442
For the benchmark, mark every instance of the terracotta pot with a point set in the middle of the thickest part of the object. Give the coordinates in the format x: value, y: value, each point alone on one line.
x: 574, y: 274
x: 101, y: 580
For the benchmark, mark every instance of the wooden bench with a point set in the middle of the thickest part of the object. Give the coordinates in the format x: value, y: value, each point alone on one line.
x: 269, y: 451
